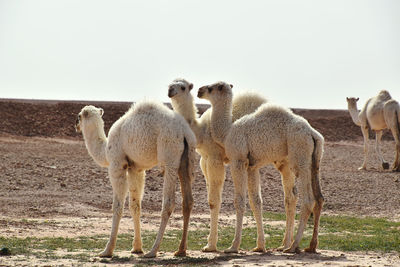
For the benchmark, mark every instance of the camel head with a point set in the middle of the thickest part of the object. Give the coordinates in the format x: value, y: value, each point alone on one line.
x: 352, y: 101
x: 89, y: 115
x: 179, y: 87
x: 215, y: 92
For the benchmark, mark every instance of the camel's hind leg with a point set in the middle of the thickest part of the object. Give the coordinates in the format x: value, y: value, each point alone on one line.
x: 187, y: 201
x: 307, y: 205
x: 378, y: 136
x: 239, y: 176
x: 214, y: 172
x: 364, y: 130
x: 256, y: 206
x: 119, y: 184
x: 168, y: 205
x: 395, y: 129
x: 290, y: 192
x: 136, y: 186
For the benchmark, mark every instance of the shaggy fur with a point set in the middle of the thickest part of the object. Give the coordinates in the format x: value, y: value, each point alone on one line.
x: 149, y: 134
x: 379, y: 112
x: 272, y: 134
x: 212, y: 155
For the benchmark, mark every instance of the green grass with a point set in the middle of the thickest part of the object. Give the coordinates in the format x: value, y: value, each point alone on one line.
x: 342, y: 233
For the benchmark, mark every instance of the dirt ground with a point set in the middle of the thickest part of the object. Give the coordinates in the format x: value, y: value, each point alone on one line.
x: 47, y: 174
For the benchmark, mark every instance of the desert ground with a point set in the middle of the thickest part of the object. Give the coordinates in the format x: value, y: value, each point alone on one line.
x: 46, y: 174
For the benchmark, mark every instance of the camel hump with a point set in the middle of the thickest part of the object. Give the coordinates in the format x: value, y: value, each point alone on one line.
x: 384, y: 95
x: 245, y: 103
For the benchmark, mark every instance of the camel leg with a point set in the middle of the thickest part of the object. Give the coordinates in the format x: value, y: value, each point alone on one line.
x: 290, y: 193
x: 378, y: 136
x: 168, y: 205
x: 307, y: 206
x: 364, y: 130
x: 316, y: 214
x: 136, y: 187
x: 239, y: 177
x: 215, y: 179
x: 256, y: 206
x: 396, y: 136
x: 187, y: 205
x: 119, y: 184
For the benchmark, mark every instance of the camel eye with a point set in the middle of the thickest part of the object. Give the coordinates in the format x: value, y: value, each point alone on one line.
x: 209, y: 89
x: 183, y: 88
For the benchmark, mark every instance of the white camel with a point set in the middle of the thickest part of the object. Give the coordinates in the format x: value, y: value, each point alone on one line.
x: 379, y: 112
x: 149, y: 134
x: 272, y: 134
x: 212, y: 155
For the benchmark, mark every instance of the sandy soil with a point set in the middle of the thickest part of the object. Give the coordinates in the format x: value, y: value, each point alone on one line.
x: 51, y: 187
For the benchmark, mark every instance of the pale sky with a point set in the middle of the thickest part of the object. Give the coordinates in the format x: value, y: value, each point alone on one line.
x: 302, y: 54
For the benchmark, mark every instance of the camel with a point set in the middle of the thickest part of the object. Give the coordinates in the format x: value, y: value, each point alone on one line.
x: 149, y: 134
x: 212, y: 155
x: 379, y: 112
x: 272, y: 134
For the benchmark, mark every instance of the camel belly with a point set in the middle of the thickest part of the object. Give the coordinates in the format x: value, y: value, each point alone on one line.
x: 376, y: 119
x: 143, y: 154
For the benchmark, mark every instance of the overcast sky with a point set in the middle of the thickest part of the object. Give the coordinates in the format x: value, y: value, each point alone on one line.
x: 304, y: 54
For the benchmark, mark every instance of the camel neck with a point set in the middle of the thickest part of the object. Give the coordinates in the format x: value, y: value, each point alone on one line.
x: 354, y: 114
x: 96, y: 142
x: 186, y: 108
x: 221, y: 120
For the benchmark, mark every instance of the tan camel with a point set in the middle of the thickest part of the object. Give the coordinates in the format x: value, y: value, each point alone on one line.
x: 270, y: 135
x: 212, y: 155
x: 379, y: 112
x: 149, y: 134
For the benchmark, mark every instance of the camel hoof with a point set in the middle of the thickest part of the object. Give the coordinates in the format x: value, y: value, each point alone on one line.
x: 257, y: 249
x: 281, y: 248
x: 396, y: 169
x: 385, y: 165
x: 105, y: 254
x: 180, y: 253
x: 231, y: 250
x: 150, y: 255
x: 310, y: 250
x: 362, y: 168
x: 209, y: 249
x: 137, y: 251
x: 292, y: 250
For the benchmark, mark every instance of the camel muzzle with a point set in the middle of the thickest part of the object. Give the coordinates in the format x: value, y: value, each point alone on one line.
x: 172, y: 93
x: 201, y: 92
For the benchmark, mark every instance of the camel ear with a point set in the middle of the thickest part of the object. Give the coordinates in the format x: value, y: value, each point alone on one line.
x: 357, y: 98
x: 231, y: 85
x: 85, y: 114
x: 190, y: 86
x: 347, y: 98
x: 101, y: 112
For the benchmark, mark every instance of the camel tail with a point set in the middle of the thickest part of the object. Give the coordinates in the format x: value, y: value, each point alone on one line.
x: 186, y: 166
x: 316, y: 159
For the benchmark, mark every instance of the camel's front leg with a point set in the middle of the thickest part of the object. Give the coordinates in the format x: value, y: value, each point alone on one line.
x: 215, y: 182
x: 167, y: 208
x: 119, y: 185
x: 378, y: 136
x: 290, y: 194
x: 256, y: 206
x: 239, y: 176
x: 136, y: 186
x: 364, y: 130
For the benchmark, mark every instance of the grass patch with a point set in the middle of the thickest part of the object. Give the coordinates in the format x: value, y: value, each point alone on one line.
x: 342, y: 233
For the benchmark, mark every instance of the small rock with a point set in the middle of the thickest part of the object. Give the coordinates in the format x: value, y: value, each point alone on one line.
x: 5, y: 251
